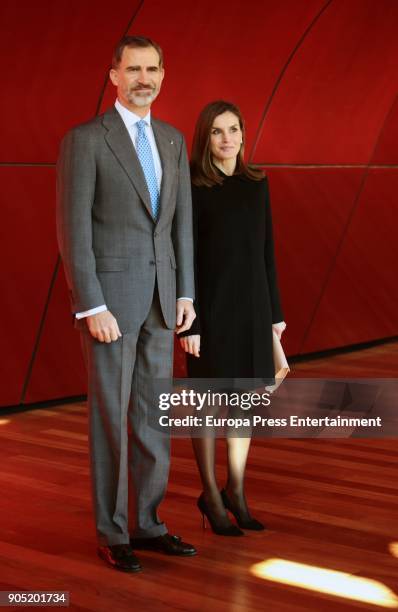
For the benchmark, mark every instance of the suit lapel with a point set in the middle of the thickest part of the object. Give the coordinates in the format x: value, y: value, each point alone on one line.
x: 168, y: 159
x: 119, y: 141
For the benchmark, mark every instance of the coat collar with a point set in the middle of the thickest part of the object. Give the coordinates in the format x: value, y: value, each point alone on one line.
x: 166, y: 148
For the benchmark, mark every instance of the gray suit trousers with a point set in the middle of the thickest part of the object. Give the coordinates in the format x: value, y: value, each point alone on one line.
x: 121, y: 392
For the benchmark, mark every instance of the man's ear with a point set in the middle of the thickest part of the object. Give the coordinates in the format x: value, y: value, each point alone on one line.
x: 113, y: 76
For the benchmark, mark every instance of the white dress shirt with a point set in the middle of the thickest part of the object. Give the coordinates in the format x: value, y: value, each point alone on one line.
x: 130, y: 120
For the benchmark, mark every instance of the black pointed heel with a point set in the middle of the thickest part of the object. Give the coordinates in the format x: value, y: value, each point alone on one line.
x: 251, y: 523
x: 230, y: 530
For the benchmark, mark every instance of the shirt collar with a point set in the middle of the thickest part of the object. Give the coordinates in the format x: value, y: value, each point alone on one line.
x: 129, y: 118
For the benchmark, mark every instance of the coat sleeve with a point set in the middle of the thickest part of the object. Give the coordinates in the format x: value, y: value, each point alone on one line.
x: 195, y: 327
x: 270, y: 265
x: 76, y: 174
x: 182, y: 228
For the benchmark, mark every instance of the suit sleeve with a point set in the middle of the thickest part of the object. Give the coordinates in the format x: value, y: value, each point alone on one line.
x: 269, y: 254
x: 182, y: 228
x: 195, y: 327
x: 76, y: 175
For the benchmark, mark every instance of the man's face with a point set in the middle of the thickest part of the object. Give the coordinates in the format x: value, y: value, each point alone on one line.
x: 138, y: 77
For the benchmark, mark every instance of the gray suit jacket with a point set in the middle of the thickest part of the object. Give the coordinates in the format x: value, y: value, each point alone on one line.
x: 112, y: 248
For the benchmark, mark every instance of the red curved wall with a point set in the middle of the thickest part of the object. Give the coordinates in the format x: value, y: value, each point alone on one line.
x: 316, y: 81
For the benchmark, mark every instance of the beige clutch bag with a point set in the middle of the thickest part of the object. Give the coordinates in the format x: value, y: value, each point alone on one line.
x: 280, y: 362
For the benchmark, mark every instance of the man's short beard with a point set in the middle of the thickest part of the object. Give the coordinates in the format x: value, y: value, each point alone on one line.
x: 141, y: 100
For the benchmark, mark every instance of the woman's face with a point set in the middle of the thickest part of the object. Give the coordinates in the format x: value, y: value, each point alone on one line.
x: 225, y: 137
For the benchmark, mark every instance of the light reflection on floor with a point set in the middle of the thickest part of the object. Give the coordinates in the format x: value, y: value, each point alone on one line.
x: 326, y: 581
x: 393, y: 548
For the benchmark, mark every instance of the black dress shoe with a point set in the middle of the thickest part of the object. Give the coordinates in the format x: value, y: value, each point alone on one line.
x: 244, y: 523
x: 120, y: 557
x: 168, y: 544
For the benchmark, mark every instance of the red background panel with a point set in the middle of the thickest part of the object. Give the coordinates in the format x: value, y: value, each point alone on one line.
x: 337, y: 89
x: 219, y: 50
x: 28, y: 255
x: 58, y: 369
x: 317, y: 83
x: 361, y: 297
x: 386, y: 151
x: 310, y: 209
x: 54, y: 58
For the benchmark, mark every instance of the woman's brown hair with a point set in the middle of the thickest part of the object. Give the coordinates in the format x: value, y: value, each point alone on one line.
x: 203, y: 171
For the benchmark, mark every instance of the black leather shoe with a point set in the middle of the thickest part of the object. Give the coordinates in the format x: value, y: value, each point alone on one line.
x: 247, y: 523
x: 168, y: 544
x: 120, y: 557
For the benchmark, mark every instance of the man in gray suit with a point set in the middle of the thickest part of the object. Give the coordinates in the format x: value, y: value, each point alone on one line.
x: 124, y: 224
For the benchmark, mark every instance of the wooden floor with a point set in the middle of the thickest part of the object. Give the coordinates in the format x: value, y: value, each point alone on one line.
x: 332, y: 504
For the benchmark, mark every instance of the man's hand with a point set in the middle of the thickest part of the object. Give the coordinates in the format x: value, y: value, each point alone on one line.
x: 191, y: 344
x: 103, y: 327
x: 185, y: 315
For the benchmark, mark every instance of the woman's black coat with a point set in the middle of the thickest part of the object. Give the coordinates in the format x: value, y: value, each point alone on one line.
x: 237, y: 297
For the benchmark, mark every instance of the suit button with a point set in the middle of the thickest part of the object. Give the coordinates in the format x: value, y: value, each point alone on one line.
x: 155, y: 234
x: 152, y: 262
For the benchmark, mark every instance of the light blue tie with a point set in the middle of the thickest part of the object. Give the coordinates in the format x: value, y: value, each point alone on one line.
x: 145, y: 156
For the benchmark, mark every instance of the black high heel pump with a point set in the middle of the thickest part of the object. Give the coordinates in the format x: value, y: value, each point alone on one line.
x: 230, y: 530
x: 251, y: 523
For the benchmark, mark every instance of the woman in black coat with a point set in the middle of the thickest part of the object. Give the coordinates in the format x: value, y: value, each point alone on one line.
x: 237, y: 299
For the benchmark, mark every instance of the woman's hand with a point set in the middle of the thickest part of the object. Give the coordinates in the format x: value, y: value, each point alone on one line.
x: 279, y: 328
x: 191, y: 344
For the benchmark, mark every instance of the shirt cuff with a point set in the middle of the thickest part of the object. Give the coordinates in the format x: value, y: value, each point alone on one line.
x: 185, y: 298
x: 89, y: 313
